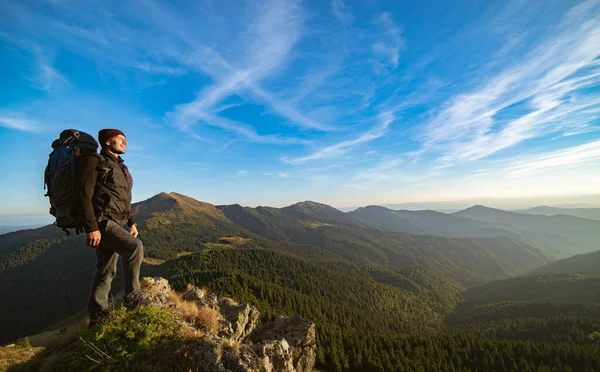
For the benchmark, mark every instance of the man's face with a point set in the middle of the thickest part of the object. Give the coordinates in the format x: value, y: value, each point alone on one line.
x: 117, y: 144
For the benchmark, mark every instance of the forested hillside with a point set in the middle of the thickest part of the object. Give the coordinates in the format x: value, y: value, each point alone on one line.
x: 382, y: 300
x: 470, y: 261
x: 386, y: 319
x: 588, y: 263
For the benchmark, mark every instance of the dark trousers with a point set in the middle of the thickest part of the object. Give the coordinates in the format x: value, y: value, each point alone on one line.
x: 115, y: 241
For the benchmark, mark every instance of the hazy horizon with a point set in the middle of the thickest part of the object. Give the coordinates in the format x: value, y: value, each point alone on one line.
x: 576, y: 201
x: 344, y: 102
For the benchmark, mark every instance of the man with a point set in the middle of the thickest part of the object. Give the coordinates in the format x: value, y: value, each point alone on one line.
x: 105, y: 202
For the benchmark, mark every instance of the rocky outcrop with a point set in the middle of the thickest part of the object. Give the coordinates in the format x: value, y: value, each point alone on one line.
x: 287, y: 344
x: 242, y: 318
x: 297, y: 333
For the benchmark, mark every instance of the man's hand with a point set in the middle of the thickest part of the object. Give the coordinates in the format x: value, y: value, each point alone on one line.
x: 93, y: 239
x: 133, y: 230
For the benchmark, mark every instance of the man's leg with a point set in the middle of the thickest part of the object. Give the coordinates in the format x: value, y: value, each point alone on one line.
x: 132, y: 251
x: 106, y: 269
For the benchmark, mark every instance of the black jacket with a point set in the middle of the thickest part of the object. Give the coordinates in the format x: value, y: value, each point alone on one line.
x: 105, y: 191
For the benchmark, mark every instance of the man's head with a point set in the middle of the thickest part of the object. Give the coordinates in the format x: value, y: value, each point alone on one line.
x: 113, y: 140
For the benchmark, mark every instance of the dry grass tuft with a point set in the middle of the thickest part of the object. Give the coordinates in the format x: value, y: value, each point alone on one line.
x: 10, y: 356
x: 231, y: 344
x: 189, y: 287
x: 202, y: 317
x: 187, y: 310
x: 174, y: 298
x: 209, y: 318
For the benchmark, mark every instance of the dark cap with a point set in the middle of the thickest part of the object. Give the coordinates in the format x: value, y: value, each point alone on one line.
x: 106, y: 134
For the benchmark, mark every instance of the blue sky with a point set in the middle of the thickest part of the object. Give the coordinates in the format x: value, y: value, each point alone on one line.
x: 273, y: 102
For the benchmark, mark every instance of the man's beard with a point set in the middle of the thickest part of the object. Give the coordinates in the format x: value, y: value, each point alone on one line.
x: 117, y: 150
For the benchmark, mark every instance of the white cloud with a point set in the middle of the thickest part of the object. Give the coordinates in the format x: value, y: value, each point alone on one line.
x: 18, y: 122
x: 49, y: 79
x: 44, y: 76
x: 391, y: 42
x: 570, y: 156
x: 331, y: 151
x: 468, y: 129
x: 340, y: 11
x: 162, y: 70
x: 272, y: 37
x: 244, y: 131
x: 242, y: 172
x: 568, y: 171
x: 171, y: 41
x: 278, y: 174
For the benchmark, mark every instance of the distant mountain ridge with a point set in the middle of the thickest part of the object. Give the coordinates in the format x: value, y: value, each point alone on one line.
x: 589, y: 213
x: 428, y: 222
x: 467, y: 260
x: 561, y: 235
x: 9, y: 229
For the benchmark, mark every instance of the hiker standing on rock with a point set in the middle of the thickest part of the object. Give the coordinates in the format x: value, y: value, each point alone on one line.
x: 105, y: 202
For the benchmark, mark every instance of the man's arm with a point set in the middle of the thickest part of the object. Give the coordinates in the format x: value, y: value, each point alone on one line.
x: 88, y: 178
x: 130, y: 220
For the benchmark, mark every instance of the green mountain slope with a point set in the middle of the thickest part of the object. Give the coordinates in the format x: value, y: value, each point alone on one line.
x: 47, y: 282
x: 565, y: 287
x: 562, y: 236
x: 581, y: 263
x: 468, y: 260
x: 17, y: 239
x: 309, y: 210
x: 352, y: 305
x: 372, y: 318
x: 551, y: 308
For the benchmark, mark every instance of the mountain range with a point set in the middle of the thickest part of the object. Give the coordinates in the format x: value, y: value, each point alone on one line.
x: 413, y: 269
x: 589, y: 213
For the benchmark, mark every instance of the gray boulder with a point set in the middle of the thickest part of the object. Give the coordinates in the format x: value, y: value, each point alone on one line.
x: 299, y: 333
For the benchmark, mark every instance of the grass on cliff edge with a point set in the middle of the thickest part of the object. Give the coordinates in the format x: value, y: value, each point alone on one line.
x: 146, y: 338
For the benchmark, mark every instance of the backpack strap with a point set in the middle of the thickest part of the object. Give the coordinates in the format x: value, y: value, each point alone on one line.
x: 102, y: 169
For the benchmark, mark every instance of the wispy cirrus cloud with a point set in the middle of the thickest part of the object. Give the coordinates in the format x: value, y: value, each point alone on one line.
x: 332, y: 151
x: 170, y: 43
x: 570, y: 156
x: 319, y: 87
x: 278, y: 174
x: 545, y: 85
x: 49, y: 79
x: 17, y: 121
x: 341, y: 11
x: 273, y: 35
x: 43, y: 75
x: 247, y: 131
x: 388, y: 47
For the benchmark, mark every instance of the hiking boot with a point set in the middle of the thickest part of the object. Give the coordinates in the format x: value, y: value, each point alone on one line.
x: 97, y: 318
